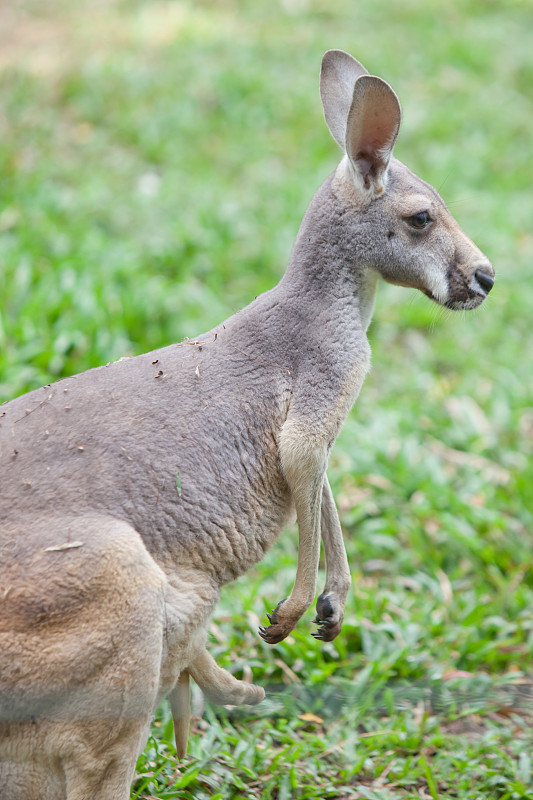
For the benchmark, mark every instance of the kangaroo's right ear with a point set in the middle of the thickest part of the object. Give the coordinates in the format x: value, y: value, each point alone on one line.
x: 337, y: 80
x: 371, y: 131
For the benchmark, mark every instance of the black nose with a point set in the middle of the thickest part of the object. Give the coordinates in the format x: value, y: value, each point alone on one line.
x: 485, y: 281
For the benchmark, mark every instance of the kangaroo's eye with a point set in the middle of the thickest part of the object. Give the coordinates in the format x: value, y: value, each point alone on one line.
x: 420, y: 220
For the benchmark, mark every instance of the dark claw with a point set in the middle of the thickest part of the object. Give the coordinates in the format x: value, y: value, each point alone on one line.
x: 276, y: 631
x: 273, y: 634
x: 321, y: 633
x: 327, y: 631
x: 327, y: 620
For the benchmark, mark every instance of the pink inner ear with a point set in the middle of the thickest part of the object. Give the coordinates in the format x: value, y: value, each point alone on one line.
x: 373, y: 124
x: 376, y: 132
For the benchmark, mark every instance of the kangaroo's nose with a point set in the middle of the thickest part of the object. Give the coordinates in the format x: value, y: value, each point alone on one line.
x: 485, y: 280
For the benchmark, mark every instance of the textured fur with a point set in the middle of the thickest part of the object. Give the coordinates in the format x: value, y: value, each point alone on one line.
x: 131, y: 493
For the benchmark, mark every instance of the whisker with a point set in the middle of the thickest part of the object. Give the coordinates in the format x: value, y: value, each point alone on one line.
x: 445, y: 179
x: 437, y: 315
x: 460, y: 200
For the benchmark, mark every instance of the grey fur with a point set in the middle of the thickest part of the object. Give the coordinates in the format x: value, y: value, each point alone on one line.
x: 132, y: 492
x: 338, y: 75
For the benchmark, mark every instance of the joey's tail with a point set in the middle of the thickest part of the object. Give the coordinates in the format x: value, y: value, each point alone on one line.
x: 180, y: 706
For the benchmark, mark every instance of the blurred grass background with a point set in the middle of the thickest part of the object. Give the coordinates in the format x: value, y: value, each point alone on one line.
x: 155, y: 161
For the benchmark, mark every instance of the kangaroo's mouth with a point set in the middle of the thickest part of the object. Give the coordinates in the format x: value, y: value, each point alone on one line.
x: 464, y: 293
x: 461, y: 303
x: 466, y: 305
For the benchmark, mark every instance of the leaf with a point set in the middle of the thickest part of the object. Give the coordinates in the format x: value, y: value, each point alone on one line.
x: 430, y: 778
x: 178, y: 484
x: 308, y: 717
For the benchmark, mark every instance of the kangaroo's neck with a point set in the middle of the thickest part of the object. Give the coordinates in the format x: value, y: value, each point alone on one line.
x: 326, y: 262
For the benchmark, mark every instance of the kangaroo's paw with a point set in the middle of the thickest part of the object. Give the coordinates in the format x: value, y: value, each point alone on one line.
x: 329, y: 616
x: 279, y: 628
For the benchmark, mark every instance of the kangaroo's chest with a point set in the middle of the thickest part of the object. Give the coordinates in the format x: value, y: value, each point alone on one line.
x: 208, y: 487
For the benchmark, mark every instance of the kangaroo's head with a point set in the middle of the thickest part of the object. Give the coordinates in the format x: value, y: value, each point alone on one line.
x: 412, y: 239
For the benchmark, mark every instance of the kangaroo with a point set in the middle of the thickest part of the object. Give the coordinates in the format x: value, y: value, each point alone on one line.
x: 132, y: 492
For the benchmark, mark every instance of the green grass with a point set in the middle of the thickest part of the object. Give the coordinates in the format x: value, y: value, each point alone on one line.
x: 156, y: 159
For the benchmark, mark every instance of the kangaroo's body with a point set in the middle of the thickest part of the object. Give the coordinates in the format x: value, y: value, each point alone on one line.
x: 132, y: 492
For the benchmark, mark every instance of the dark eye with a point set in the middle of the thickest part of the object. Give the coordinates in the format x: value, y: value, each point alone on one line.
x: 420, y: 220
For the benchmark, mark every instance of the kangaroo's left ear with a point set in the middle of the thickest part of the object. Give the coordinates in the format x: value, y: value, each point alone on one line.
x: 371, y: 131
x: 338, y: 75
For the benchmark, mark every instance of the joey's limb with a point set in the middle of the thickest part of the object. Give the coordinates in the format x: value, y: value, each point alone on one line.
x: 219, y: 686
x: 330, y: 604
x: 303, y: 460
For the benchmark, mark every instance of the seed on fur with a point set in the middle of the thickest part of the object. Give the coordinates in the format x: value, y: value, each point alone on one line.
x: 65, y: 546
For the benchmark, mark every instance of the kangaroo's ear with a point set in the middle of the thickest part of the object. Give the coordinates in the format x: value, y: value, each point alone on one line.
x: 337, y: 80
x: 371, y: 130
